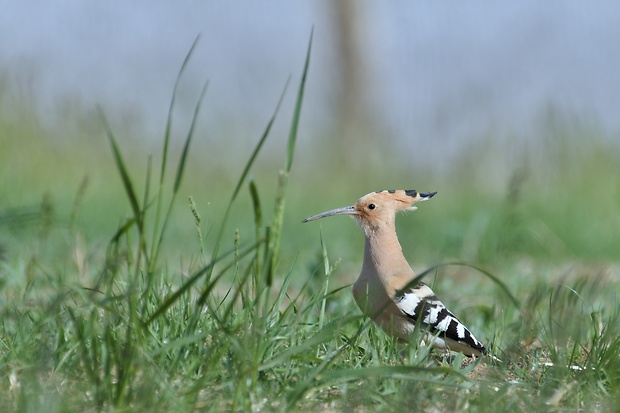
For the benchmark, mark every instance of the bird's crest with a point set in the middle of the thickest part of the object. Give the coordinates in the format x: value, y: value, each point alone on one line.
x: 396, y: 199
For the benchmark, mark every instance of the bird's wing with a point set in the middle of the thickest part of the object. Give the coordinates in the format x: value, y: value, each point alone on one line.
x: 421, y: 303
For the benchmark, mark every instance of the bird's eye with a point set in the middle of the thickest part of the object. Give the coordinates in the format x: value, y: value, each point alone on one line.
x: 372, y: 206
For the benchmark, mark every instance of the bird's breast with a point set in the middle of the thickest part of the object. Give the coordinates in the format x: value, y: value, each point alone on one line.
x: 372, y: 298
x: 369, y: 295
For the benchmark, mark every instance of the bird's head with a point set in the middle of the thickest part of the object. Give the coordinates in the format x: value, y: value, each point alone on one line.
x: 375, y: 208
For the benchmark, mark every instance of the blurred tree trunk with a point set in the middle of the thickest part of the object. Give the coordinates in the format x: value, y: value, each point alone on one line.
x: 358, y: 134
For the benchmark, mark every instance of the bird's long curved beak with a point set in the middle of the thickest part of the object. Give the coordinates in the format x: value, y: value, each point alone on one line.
x: 340, y: 211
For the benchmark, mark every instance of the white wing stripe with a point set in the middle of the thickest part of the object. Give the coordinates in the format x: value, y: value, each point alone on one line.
x: 444, y: 324
x: 460, y: 330
x: 431, y: 318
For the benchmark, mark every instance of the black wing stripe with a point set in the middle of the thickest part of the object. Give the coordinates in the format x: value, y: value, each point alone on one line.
x: 444, y: 323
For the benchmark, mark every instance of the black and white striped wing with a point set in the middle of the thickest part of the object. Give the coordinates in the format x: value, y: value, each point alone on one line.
x: 421, y: 303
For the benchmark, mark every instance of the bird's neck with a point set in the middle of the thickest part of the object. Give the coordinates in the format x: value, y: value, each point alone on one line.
x: 383, y: 255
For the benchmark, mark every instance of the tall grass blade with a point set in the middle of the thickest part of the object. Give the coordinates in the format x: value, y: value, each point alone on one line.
x: 171, y: 108
x: 297, y: 113
x: 283, y: 183
x: 122, y: 169
x: 188, y: 141
x: 243, y: 176
x: 147, y: 184
x: 256, y: 151
x: 129, y: 222
x: 164, y: 160
x: 256, y: 207
x: 142, y: 235
x: 258, y: 225
x: 177, y: 181
x: 77, y: 203
x: 327, y: 271
x: 287, y: 280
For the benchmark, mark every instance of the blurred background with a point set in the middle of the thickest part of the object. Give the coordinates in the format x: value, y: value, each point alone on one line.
x: 508, y: 109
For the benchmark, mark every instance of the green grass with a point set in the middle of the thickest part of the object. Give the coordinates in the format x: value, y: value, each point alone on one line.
x: 227, y: 302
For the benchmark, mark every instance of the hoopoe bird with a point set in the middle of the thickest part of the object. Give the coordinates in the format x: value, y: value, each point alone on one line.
x: 382, y: 290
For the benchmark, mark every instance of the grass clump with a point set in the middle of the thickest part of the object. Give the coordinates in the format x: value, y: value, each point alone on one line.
x: 247, y: 325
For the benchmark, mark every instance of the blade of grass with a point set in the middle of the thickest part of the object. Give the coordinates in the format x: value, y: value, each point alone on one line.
x: 242, y: 178
x: 84, y: 352
x: 327, y: 271
x: 122, y: 230
x: 164, y: 160
x: 177, y: 181
x: 258, y: 224
x: 297, y: 112
x: 280, y: 197
x: 277, y: 303
x: 142, y: 235
x: 188, y: 140
x: 493, y: 278
x: 122, y: 169
x: 170, y: 110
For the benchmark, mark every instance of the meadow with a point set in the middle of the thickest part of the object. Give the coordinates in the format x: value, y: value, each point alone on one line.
x: 131, y: 282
